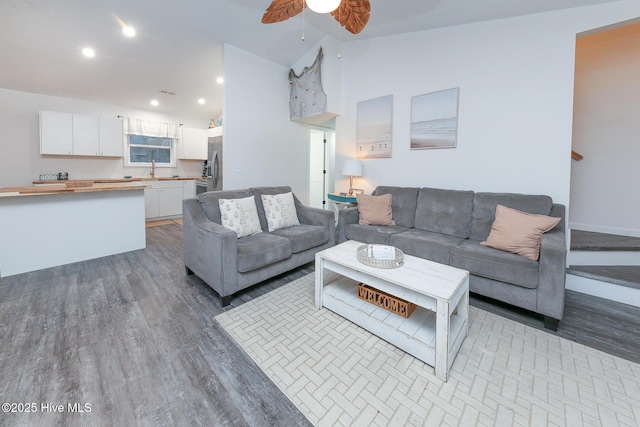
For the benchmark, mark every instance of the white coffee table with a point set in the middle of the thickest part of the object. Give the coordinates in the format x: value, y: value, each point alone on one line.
x: 436, y: 329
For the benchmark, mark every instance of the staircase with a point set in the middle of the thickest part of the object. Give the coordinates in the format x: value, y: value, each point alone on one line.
x: 605, y: 266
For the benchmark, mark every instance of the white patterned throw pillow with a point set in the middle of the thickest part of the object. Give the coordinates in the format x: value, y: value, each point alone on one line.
x: 240, y: 215
x: 280, y: 210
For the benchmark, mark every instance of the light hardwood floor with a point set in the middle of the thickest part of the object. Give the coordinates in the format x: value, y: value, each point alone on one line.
x: 135, y: 338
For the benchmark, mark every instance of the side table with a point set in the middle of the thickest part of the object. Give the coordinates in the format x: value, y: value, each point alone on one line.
x: 341, y: 201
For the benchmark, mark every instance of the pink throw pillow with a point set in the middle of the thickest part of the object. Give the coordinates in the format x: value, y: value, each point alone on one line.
x: 375, y: 210
x: 519, y: 232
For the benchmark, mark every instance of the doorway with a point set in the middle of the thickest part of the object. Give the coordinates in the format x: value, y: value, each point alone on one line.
x: 319, y: 165
x: 605, y: 131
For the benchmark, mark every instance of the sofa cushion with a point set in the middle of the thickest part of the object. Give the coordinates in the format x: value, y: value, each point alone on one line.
x: 445, y: 211
x: 495, y: 264
x: 379, y: 234
x: 259, y: 191
x: 403, y: 203
x: 519, y: 232
x: 280, y: 210
x: 424, y: 244
x: 375, y: 210
x: 211, y: 206
x: 304, y: 236
x: 261, y: 250
x: 484, y: 208
x: 240, y: 215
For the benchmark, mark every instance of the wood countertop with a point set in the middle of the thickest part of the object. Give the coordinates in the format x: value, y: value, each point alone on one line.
x: 114, y: 180
x: 63, y: 189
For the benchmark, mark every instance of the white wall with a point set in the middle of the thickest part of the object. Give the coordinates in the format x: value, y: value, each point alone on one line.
x: 262, y: 147
x: 516, y: 100
x: 606, y: 132
x: 21, y: 162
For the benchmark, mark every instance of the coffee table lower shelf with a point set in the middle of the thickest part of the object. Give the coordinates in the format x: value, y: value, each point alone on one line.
x: 415, y: 335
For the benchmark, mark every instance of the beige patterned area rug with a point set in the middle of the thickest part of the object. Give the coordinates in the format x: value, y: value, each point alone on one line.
x: 506, y: 373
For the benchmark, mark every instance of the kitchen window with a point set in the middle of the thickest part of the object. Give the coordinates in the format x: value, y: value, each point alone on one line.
x: 144, y: 149
x: 150, y: 141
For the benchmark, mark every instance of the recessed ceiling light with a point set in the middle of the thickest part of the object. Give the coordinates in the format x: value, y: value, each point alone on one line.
x: 88, y: 52
x: 154, y: 102
x: 128, y: 31
x: 220, y: 80
x: 201, y: 101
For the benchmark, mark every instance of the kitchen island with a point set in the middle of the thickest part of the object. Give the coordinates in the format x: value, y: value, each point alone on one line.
x: 48, y: 226
x: 163, y: 195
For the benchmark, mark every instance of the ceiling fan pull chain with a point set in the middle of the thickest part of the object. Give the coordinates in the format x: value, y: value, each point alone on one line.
x: 339, y: 36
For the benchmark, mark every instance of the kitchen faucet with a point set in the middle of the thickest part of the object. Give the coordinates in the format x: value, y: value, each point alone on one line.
x: 153, y: 168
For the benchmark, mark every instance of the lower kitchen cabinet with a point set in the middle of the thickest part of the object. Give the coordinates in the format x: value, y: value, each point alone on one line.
x: 163, y: 199
x: 189, y: 188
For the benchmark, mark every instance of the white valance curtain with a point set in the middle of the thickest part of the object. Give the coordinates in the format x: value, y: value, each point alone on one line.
x: 151, y: 128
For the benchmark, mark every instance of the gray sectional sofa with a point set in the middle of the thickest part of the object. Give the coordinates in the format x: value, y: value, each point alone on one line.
x: 228, y: 264
x: 447, y: 226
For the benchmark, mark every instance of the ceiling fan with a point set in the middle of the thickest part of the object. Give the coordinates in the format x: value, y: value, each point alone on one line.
x: 351, y: 14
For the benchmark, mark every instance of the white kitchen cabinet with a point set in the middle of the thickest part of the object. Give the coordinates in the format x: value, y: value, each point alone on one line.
x: 170, y: 202
x: 86, y: 135
x: 56, y: 133
x: 80, y: 135
x: 111, y: 137
x: 189, y: 189
x: 193, y: 144
x: 163, y: 199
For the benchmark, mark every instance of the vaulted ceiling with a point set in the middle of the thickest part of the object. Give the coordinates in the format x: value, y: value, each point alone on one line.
x: 178, y: 46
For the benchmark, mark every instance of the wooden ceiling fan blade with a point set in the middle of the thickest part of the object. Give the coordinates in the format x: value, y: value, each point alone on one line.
x: 353, y: 14
x: 281, y: 10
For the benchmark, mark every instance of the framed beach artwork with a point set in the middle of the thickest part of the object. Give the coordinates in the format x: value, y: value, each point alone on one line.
x: 374, y: 128
x: 434, y: 120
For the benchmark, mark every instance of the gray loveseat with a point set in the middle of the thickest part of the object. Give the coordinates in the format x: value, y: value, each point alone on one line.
x: 447, y: 226
x: 228, y: 264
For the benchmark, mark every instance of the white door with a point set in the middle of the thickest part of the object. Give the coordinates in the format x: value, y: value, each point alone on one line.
x: 317, y: 169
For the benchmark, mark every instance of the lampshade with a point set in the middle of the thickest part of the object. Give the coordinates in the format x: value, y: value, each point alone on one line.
x: 352, y: 167
x: 323, y: 6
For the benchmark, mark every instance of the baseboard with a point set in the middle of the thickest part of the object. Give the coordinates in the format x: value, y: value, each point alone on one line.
x: 609, y: 291
x: 577, y: 257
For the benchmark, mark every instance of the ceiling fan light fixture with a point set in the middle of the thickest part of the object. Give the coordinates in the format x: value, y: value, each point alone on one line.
x: 353, y: 15
x: 323, y: 6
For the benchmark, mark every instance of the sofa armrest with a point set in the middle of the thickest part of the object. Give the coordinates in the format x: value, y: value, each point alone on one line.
x: 346, y: 216
x: 552, y: 269
x: 314, y: 216
x: 210, y: 250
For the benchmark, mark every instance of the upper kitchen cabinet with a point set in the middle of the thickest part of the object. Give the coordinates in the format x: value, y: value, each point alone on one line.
x: 193, y: 145
x: 80, y: 135
x: 56, y: 133
x: 86, y: 135
x: 111, y: 137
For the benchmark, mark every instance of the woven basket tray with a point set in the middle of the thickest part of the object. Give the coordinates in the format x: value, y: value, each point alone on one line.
x: 365, y: 256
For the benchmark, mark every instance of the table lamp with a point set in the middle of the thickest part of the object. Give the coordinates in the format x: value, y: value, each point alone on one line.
x: 352, y: 168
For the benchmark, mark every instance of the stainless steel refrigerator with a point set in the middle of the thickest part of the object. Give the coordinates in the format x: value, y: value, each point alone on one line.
x: 214, y: 178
